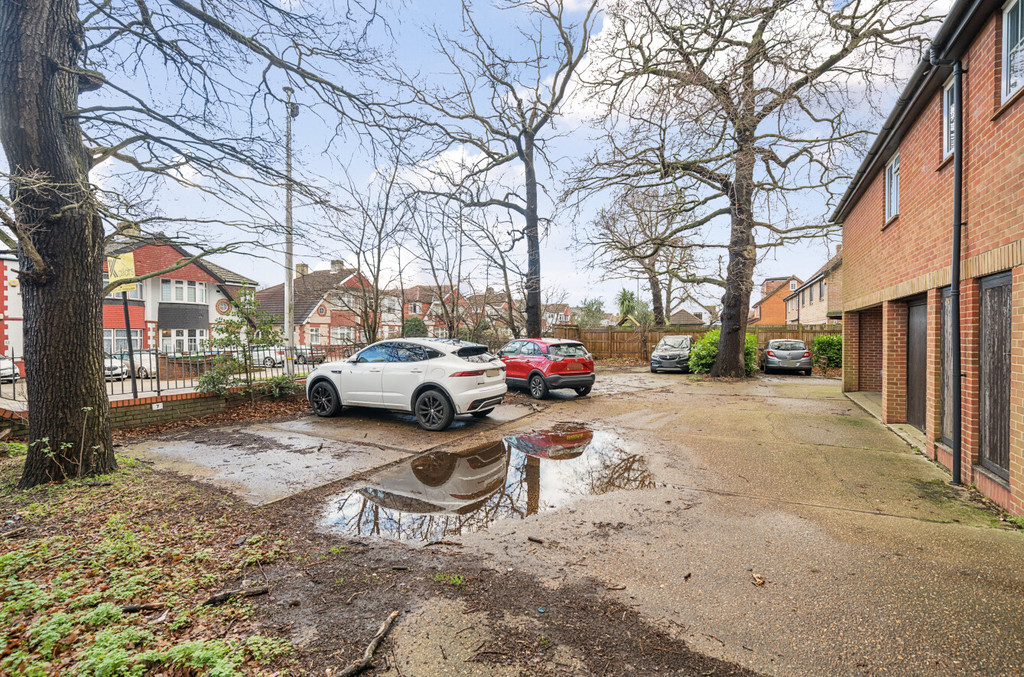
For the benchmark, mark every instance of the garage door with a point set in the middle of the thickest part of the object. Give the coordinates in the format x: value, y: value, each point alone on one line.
x: 994, y: 406
x: 917, y: 362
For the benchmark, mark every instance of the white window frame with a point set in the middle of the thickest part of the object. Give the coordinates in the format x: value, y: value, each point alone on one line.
x: 133, y: 295
x: 180, y: 291
x: 120, y: 343
x: 948, y: 108
x: 892, y: 187
x: 314, y: 336
x: 1013, y: 10
x: 792, y: 285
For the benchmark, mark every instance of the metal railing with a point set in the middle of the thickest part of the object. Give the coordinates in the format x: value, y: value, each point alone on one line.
x: 158, y: 372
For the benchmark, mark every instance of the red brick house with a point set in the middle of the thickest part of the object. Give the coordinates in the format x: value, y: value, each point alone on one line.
x: 771, y: 308
x: 819, y: 300
x: 898, y: 234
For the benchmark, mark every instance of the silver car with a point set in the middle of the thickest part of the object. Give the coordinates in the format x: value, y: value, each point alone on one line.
x: 672, y: 352
x: 786, y: 354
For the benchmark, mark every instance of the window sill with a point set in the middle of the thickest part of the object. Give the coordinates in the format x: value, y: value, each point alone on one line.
x: 891, y: 221
x: 945, y: 162
x: 982, y: 470
x: 1008, y: 104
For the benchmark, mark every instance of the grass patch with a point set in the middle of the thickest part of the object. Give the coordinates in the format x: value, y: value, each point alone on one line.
x: 144, y: 539
x: 454, y: 580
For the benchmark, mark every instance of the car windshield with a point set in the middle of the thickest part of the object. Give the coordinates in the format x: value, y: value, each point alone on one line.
x: 787, y: 345
x: 674, y: 342
x: 474, y: 354
x: 567, y: 350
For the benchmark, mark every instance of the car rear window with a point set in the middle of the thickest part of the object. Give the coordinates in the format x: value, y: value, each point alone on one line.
x: 474, y: 354
x: 788, y: 345
x: 567, y: 350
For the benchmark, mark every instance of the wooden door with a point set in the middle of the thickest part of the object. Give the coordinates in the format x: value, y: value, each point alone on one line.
x: 994, y: 372
x: 917, y: 363
x: 948, y: 370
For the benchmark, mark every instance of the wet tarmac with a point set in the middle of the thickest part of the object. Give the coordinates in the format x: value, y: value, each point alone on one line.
x: 442, y: 494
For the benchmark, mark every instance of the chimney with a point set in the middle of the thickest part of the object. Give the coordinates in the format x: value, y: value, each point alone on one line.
x: 301, y: 269
x: 337, y: 265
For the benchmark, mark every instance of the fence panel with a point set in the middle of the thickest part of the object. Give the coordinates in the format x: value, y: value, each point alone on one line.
x: 631, y: 343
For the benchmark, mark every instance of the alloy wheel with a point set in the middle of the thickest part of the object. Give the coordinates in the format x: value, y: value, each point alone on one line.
x: 322, y: 399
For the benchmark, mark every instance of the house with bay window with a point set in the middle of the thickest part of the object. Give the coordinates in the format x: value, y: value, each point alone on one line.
x: 901, y: 222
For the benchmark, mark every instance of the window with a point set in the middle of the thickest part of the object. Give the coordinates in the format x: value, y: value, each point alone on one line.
x: 183, y: 291
x: 182, y: 340
x: 892, y: 188
x: 1013, y: 48
x: 821, y: 289
x: 377, y: 353
x: 792, y: 285
x: 803, y: 298
x: 135, y: 294
x: 948, y: 113
x: 110, y: 345
x: 343, y: 335
x: 314, y: 335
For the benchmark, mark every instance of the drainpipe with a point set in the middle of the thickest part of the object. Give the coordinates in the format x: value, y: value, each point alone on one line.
x: 958, y: 223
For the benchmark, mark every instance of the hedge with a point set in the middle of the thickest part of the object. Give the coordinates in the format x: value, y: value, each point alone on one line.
x: 705, y: 350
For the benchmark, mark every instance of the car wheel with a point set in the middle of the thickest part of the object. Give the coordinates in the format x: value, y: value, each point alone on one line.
x: 324, y: 399
x: 268, y: 362
x: 483, y: 413
x: 653, y: 370
x: 433, y: 410
x: 300, y: 359
x: 585, y: 390
x: 538, y: 388
x: 143, y: 372
x: 807, y: 372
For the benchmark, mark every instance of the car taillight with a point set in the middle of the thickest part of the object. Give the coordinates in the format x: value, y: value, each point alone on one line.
x: 770, y: 353
x: 807, y: 354
x: 478, y: 372
x: 553, y: 358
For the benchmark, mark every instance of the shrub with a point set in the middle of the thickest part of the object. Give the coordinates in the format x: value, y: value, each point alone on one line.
x: 219, y: 377
x: 827, y: 351
x: 278, y: 386
x: 414, y: 326
x: 704, y: 352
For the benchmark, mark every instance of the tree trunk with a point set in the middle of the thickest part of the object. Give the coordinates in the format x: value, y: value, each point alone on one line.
x: 656, y: 302
x: 62, y: 262
x: 533, y: 306
x: 740, y: 277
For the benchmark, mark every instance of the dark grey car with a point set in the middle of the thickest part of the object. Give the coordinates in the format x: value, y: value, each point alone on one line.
x: 672, y: 352
x: 786, y: 354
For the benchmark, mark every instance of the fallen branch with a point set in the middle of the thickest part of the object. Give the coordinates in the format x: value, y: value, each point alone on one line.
x: 148, y: 606
x: 222, y: 597
x: 358, y: 666
x: 16, y: 531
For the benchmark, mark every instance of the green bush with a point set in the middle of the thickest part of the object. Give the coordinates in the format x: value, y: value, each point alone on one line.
x: 704, y: 352
x: 827, y: 351
x: 220, y: 376
x: 278, y: 386
x: 414, y: 326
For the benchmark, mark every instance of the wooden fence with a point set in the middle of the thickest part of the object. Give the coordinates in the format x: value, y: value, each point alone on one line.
x: 632, y: 343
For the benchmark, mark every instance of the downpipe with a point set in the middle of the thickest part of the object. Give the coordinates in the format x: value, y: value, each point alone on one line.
x: 954, y: 283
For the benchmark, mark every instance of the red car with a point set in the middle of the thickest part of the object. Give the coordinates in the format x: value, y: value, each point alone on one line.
x: 545, y: 364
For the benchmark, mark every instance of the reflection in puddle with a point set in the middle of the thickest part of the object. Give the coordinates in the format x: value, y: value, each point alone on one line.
x: 444, y: 494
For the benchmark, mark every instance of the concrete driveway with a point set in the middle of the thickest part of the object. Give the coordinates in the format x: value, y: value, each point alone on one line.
x: 769, y: 522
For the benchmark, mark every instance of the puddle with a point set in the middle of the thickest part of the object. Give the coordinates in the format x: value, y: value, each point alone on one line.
x: 442, y: 494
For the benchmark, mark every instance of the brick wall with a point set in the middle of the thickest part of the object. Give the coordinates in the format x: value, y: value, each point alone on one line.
x: 835, y: 290
x: 869, y: 350
x: 886, y: 262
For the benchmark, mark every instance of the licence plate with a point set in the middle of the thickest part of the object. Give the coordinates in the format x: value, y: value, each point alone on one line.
x: 574, y: 366
x: 788, y: 363
x: 491, y: 373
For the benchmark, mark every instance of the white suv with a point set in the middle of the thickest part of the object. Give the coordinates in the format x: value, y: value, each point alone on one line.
x: 435, y: 379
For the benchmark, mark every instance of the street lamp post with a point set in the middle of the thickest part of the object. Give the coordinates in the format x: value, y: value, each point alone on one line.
x: 289, y: 267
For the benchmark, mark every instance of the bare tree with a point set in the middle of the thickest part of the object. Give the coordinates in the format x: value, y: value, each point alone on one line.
x: 638, y: 235
x: 370, y: 225
x: 437, y: 237
x: 171, y: 92
x: 502, y: 107
x: 742, y: 104
x: 495, y: 240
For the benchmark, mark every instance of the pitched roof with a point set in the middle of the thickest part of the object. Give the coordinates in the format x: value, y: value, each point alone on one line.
x: 557, y: 307
x: 684, y: 317
x: 423, y: 293
x: 964, y: 20
x: 829, y: 266
x: 220, y: 273
x: 774, y: 291
x: 309, y: 290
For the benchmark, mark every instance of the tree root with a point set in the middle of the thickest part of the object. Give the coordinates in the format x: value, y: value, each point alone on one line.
x: 358, y: 666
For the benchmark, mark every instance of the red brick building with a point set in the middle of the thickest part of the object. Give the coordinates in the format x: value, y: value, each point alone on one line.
x: 898, y: 217
x: 771, y: 308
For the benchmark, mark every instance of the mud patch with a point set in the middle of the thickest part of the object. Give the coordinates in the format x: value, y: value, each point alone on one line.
x: 442, y: 494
